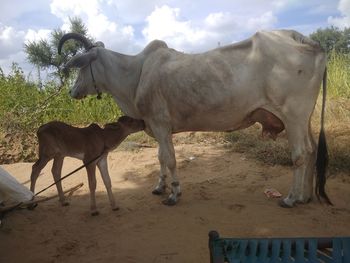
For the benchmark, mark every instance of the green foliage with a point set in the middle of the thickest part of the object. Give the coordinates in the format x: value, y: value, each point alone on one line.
x: 338, y: 75
x: 44, y: 53
x: 24, y: 107
x: 333, y: 39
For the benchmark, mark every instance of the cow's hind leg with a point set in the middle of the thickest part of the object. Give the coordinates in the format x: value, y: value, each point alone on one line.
x: 303, y: 154
x: 166, y: 156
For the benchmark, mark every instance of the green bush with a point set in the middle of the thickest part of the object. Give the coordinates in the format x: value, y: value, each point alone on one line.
x: 24, y: 107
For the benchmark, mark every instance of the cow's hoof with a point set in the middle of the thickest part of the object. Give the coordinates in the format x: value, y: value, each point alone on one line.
x: 95, y: 213
x: 304, y: 201
x: 158, y: 191
x: 32, y: 206
x: 115, y: 208
x: 65, y: 203
x: 284, y: 204
x: 169, y: 202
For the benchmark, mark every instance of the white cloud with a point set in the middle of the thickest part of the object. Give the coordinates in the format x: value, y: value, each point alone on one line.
x: 11, y: 41
x: 12, y: 47
x: 11, y: 10
x: 38, y: 35
x: 344, y: 6
x: 344, y: 19
x: 220, y: 21
x: 164, y: 23
x: 7, y: 33
x: 135, y: 11
x: 115, y: 36
x: 64, y: 8
x: 167, y: 24
x: 17, y: 57
x: 265, y: 21
x: 281, y: 5
x: 227, y: 22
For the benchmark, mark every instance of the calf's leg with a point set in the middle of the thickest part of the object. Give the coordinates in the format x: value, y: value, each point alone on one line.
x: 56, y: 172
x: 103, y: 167
x: 36, y: 169
x: 91, y: 172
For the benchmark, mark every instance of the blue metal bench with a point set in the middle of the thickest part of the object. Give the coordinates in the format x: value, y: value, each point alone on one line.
x: 282, y: 250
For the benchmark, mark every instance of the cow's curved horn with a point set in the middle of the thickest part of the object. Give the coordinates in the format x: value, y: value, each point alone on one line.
x: 86, y: 42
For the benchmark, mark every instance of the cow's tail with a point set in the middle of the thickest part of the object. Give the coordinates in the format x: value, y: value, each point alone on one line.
x: 322, y: 152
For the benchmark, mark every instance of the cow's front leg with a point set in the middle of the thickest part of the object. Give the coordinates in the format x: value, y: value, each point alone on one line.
x: 161, y: 186
x: 166, y: 156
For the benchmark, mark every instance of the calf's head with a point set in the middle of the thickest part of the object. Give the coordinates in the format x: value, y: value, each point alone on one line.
x: 86, y: 82
x: 131, y: 125
x: 127, y: 124
x: 116, y: 132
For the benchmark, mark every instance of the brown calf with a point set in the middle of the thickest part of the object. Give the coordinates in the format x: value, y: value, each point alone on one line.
x: 58, y: 140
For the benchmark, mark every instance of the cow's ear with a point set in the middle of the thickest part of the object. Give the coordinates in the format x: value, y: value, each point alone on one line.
x: 82, y: 60
x: 99, y: 44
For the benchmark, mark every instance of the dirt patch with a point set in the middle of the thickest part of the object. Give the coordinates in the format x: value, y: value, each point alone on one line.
x: 17, y: 147
x: 222, y: 190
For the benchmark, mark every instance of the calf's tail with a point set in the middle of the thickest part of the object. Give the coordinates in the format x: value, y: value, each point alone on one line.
x: 322, y: 152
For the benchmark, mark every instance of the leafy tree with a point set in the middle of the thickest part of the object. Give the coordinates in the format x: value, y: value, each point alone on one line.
x: 44, y: 54
x: 333, y: 39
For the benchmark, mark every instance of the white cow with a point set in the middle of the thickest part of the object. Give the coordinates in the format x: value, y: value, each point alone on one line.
x: 273, y: 78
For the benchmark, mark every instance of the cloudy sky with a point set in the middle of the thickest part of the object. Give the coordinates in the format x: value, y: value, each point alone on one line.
x: 191, y: 26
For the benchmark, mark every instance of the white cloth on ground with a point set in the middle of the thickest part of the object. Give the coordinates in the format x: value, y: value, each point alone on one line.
x: 11, y: 191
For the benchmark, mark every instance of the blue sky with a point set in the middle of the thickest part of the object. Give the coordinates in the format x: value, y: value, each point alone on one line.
x: 191, y: 26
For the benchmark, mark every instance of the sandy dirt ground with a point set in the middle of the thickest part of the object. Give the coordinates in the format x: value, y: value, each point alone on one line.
x: 222, y: 190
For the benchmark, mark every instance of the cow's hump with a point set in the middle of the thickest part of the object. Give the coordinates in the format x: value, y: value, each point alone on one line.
x: 154, y: 45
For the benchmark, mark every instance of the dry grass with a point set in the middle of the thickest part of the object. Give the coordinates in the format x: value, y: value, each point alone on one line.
x: 337, y: 126
x: 251, y: 143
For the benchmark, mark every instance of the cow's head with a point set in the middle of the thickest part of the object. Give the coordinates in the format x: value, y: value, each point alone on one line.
x: 85, y: 84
